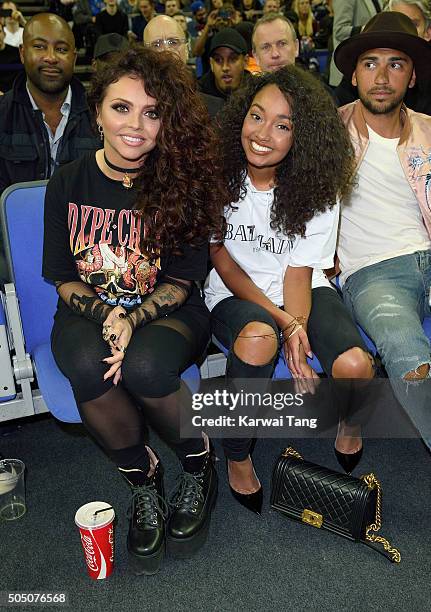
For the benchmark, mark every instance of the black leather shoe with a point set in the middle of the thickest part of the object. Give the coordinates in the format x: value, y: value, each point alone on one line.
x: 192, y: 503
x: 348, y: 461
x: 251, y: 501
x: 148, y: 513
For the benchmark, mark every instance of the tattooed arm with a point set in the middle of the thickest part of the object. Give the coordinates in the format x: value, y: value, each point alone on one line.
x: 169, y: 295
x: 82, y: 299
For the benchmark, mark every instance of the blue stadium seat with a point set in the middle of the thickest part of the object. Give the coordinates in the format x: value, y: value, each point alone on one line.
x: 22, y: 217
x: 322, y: 56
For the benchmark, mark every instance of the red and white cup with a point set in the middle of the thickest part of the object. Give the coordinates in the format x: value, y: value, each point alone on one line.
x: 97, y: 538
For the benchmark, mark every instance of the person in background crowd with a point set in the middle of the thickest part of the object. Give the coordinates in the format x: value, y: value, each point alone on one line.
x: 251, y: 10
x: 307, y: 26
x: 384, y: 243
x: 290, y: 13
x: 271, y: 6
x: 164, y: 33
x: 320, y: 9
x: 349, y: 18
x: 323, y: 39
x: 106, y: 48
x: 111, y: 20
x: 44, y: 119
x: 199, y: 18
x: 418, y: 97
x: 14, y: 25
x: 147, y: 12
x: 171, y: 7
x: 84, y: 19
x: 10, y: 63
x: 275, y: 43
x: 245, y: 28
x: 128, y: 6
x: 63, y: 8
x: 181, y: 20
x: 267, y: 291
x: 217, y: 20
x: 419, y: 11
x: 130, y: 318
x: 228, y: 59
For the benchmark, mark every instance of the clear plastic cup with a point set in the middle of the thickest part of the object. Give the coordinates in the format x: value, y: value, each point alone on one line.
x: 12, y: 489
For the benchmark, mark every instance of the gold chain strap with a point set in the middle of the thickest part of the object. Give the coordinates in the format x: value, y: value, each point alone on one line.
x: 291, y: 452
x: 371, y: 481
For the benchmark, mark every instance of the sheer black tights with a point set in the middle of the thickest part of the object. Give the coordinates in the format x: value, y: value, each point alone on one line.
x: 151, y: 390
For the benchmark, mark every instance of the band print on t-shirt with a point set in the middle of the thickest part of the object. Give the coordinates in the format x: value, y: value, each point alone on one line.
x: 105, y: 244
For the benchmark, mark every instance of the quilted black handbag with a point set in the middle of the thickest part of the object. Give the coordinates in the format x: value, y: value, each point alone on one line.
x: 317, y: 496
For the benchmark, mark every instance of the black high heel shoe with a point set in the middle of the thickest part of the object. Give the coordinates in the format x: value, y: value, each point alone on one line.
x: 251, y: 501
x: 349, y: 461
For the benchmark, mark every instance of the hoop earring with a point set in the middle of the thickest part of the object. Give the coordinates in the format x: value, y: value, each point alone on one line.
x: 100, y: 128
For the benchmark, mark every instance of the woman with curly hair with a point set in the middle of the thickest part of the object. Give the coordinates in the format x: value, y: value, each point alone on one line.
x: 287, y: 159
x: 126, y: 237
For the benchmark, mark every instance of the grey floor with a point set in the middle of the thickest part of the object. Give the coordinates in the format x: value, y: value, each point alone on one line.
x: 248, y: 563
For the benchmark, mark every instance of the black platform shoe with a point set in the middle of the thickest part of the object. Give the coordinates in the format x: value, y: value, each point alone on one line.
x: 191, y: 505
x: 251, y: 501
x: 348, y: 461
x: 148, y: 513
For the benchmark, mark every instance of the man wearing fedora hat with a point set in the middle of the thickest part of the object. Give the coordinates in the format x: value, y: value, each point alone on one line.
x: 417, y: 98
x: 384, y: 244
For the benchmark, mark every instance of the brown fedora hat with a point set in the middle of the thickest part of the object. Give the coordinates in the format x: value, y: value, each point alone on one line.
x: 386, y: 30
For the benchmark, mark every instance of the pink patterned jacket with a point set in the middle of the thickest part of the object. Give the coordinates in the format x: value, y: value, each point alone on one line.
x: 414, y: 150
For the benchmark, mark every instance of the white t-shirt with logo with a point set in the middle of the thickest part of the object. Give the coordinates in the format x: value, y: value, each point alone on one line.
x: 264, y: 254
x: 382, y: 218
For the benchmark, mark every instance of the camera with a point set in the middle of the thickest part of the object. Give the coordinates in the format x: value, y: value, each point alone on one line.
x: 5, y: 12
x: 224, y: 14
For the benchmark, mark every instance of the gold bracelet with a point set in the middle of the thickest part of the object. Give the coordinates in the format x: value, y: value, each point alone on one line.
x: 299, y: 320
x: 294, y: 331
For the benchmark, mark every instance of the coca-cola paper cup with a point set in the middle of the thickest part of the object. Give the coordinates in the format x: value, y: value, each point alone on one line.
x: 96, y: 527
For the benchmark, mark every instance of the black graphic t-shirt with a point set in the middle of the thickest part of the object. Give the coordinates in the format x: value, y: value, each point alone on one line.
x: 92, y: 234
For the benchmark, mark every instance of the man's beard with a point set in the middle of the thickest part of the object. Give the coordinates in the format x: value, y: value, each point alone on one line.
x: 47, y: 86
x: 381, y: 108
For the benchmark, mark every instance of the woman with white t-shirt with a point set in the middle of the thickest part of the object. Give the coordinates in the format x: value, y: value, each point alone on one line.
x: 287, y: 159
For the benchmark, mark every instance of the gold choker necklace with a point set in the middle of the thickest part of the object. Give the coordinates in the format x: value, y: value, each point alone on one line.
x: 127, y: 181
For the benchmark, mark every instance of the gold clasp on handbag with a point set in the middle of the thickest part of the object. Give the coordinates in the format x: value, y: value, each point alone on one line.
x: 312, y: 518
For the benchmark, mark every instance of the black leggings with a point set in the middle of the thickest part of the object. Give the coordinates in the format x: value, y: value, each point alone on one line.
x: 151, y: 389
x: 331, y: 332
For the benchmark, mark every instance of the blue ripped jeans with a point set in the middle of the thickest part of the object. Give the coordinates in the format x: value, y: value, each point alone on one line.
x: 389, y: 300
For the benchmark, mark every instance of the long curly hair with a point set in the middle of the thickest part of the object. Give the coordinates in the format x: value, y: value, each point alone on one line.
x: 320, y: 165
x: 180, y: 188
